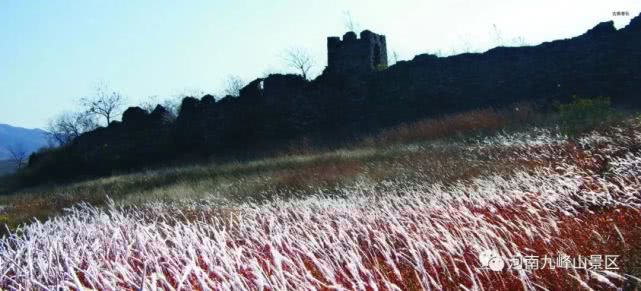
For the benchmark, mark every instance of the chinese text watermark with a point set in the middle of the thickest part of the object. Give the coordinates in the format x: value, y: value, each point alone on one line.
x: 493, y: 261
x: 620, y: 13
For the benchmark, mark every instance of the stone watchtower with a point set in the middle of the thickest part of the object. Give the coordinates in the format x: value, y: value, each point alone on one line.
x: 355, y: 56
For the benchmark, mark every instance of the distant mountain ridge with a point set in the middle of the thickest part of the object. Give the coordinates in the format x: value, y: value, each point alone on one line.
x: 29, y: 139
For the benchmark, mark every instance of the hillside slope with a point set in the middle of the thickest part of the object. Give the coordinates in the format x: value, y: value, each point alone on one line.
x: 534, y: 195
x: 271, y: 112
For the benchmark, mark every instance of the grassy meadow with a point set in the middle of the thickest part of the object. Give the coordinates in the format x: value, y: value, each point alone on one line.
x: 433, y: 148
x: 408, y: 208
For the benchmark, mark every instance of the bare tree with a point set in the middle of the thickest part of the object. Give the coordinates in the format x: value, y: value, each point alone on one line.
x: 348, y: 21
x: 171, y: 104
x: 519, y: 41
x: 18, y: 154
x: 66, y: 127
x: 499, y: 40
x: 150, y: 103
x: 300, y: 60
x: 192, y: 92
x: 497, y: 35
x: 104, y: 104
x: 233, y: 85
x: 395, y: 57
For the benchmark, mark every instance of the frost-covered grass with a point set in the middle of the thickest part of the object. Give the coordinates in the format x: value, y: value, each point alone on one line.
x: 437, y: 160
x: 411, y: 231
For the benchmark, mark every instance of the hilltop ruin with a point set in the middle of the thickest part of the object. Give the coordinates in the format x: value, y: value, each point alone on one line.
x: 356, y: 56
x: 358, y: 94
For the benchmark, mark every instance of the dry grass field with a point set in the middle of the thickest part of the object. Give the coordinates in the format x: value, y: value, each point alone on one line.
x: 408, y: 209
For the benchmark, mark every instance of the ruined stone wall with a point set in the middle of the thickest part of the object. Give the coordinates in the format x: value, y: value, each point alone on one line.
x: 352, y: 98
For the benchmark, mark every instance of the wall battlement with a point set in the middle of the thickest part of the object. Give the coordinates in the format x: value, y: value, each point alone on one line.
x: 356, y: 55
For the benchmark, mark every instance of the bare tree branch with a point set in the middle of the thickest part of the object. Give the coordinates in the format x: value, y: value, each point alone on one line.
x: 149, y: 104
x: 171, y: 104
x: 395, y: 57
x: 233, y: 84
x: 300, y: 60
x: 104, y: 104
x: 348, y: 21
x: 18, y: 154
x: 66, y: 127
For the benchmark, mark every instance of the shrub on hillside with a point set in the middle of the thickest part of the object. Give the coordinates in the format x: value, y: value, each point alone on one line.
x: 476, y: 121
x: 49, y: 165
x: 584, y: 114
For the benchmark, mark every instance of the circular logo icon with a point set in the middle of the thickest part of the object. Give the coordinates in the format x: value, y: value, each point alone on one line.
x: 490, y: 259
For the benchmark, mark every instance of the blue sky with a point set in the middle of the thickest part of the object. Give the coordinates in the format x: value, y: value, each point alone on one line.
x: 55, y: 52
